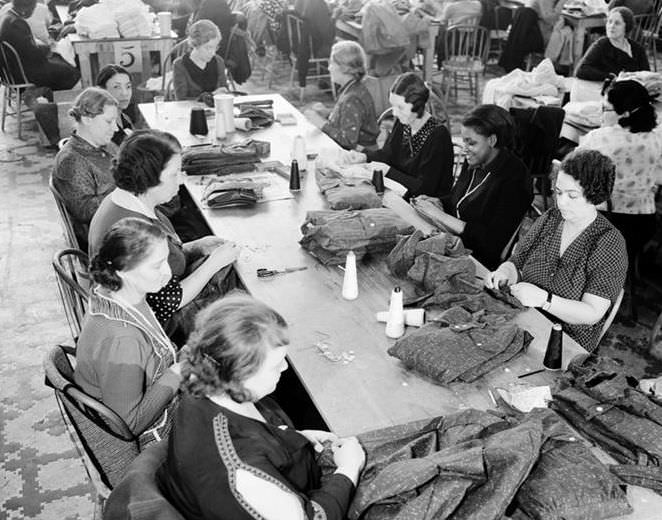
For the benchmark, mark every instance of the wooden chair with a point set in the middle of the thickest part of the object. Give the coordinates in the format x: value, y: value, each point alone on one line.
x: 15, y: 82
x: 318, y: 67
x: 465, y: 57
x: 104, y: 442
x: 611, y: 315
x: 178, y: 50
x: 71, y: 270
x: 503, y: 18
x: 646, y: 30
x: 65, y: 217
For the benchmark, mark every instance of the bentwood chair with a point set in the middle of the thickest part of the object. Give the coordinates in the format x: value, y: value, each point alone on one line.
x: 466, y: 47
x: 104, y: 442
x: 15, y: 82
x: 647, y: 29
x: 65, y: 217
x: 71, y: 270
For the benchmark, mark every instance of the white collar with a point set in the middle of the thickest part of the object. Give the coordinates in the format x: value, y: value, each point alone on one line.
x: 128, y: 200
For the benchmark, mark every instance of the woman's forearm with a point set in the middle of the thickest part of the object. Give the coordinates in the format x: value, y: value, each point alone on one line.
x: 453, y: 224
x: 575, y: 312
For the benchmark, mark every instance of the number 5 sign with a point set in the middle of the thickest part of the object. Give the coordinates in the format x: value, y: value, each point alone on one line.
x: 129, y: 55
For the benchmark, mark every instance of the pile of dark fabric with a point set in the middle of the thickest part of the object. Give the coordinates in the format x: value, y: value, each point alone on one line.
x: 346, y: 192
x: 601, y: 400
x: 226, y: 194
x: 220, y: 159
x: 330, y: 235
x: 481, y: 465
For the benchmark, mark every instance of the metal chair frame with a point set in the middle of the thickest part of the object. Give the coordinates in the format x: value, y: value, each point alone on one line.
x: 70, y: 267
x: 15, y: 82
x: 465, y: 57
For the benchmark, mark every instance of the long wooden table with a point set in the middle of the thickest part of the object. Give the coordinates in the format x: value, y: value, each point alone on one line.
x: 373, y: 390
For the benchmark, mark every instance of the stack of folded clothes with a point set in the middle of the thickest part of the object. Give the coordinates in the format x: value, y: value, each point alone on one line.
x: 346, y: 192
x: 330, y: 235
x: 220, y: 159
x: 226, y: 194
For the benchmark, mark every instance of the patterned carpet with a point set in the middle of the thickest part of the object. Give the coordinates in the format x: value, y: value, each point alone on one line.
x: 41, y: 476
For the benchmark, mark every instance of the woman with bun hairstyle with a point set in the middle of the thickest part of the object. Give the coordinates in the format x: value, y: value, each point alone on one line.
x: 82, y: 172
x: 123, y: 357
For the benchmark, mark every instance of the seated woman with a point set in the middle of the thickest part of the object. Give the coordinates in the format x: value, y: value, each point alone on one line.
x: 629, y: 139
x: 233, y: 452
x: 493, y: 192
x: 352, y: 123
x: 572, y: 262
x: 418, y: 151
x: 123, y: 356
x: 615, y: 52
x: 148, y: 173
x: 200, y: 71
x: 117, y: 80
x: 82, y: 167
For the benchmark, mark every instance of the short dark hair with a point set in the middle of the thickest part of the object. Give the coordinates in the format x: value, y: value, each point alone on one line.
x: 24, y: 7
x: 593, y: 171
x: 487, y: 120
x: 108, y: 72
x: 125, y: 245
x: 631, y: 96
x: 141, y: 159
x: 229, y: 344
x: 412, y: 87
x: 627, y: 15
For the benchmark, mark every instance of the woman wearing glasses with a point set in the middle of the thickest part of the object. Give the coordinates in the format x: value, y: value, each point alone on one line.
x: 200, y: 71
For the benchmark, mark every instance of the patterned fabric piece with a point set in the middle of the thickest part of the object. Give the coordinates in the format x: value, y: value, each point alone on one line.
x: 594, y: 263
x: 166, y: 302
x: 637, y: 158
x: 330, y: 235
x: 412, y: 144
x: 345, y: 192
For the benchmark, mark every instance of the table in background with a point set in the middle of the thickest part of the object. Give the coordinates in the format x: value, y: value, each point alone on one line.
x: 353, y: 29
x: 373, y: 390
x: 581, y: 24
x: 132, y: 53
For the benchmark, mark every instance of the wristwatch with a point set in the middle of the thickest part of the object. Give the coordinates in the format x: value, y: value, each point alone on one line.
x: 548, y: 303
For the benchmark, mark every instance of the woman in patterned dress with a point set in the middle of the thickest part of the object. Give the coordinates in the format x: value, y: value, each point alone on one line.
x: 233, y: 453
x: 572, y: 262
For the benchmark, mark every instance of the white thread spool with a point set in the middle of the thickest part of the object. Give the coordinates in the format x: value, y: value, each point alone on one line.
x: 226, y: 102
x: 350, y: 285
x: 299, y: 152
x: 165, y: 23
x: 413, y: 317
x: 221, y: 131
x: 242, y: 123
x: 395, y: 326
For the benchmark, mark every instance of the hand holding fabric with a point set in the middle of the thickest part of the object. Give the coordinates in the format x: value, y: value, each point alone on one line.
x: 318, y: 437
x: 528, y: 294
x: 506, y: 274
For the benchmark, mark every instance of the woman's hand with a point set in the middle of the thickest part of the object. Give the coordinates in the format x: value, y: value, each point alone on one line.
x: 349, y: 457
x: 354, y: 157
x: 317, y: 437
x: 651, y: 387
x: 506, y: 274
x: 223, y: 255
x: 528, y: 294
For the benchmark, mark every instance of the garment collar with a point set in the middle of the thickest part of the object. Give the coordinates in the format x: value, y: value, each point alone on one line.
x: 128, y: 200
x: 83, y: 146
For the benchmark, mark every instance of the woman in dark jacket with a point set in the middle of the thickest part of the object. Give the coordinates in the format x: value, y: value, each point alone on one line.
x: 615, y: 52
x: 489, y: 199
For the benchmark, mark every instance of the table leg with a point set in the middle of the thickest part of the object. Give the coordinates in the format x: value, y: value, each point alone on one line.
x: 428, y: 57
x: 579, y: 35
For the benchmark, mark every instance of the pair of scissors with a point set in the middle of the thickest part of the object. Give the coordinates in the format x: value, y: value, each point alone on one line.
x: 268, y: 273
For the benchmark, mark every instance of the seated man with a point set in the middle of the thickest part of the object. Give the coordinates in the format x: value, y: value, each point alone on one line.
x: 43, y: 68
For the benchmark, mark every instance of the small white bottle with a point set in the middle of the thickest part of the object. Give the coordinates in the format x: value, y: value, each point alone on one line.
x: 221, y: 131
x: 299, y: 152
x: 350, y: 286
x: 395, y: 326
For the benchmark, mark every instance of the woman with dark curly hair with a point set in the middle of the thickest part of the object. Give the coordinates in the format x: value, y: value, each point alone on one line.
x: 418, y: 151
x: 629, y: 139
x: 572, y: 262
x: 493, y: 191
x: 233, y: 452
x: 147, y: 174
x: 123, y: 356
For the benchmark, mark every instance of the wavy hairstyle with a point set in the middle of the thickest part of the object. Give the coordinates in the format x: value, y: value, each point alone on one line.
x: 91, y: 102
x: 412, y: 87
x: 203, y: 31
x: 350, y: 58
x: 632, y: 97
x: 229, y: 344
x: 593, y: 171
x: 487, y: 120
x: 142, y: 158
x: 127, y: 243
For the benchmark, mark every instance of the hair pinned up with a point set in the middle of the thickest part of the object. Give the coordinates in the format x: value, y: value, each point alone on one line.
x: 90, y: 103
x: 631, y: 97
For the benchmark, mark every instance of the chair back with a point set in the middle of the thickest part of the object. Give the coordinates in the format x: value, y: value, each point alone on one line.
x: 104, y: 438
x: 73, y: 281
x: 647, y: 26
x: 466, y: 46
x: 138, y: 495
x: 12, y: 72
x: 177, y: 51
x: 612, y: 315
x: 296, y: 34
x: 65, y: 217
x: 510, y: 246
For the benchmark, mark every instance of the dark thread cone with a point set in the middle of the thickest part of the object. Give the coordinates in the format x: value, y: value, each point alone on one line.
x: 378, y: 181
x: 295, y: 179
x: 198, y: 125
x: 554, y: 353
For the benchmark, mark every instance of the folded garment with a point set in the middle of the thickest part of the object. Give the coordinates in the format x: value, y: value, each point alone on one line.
x: 443, y: 274
x: 463, y: 351
x: 230, y: 194
x: 346, y: 192
x: 403, y: 255
x: 219, y: 160
x: 645, y: 476
x: 330, y: 235
x: 260, y: 116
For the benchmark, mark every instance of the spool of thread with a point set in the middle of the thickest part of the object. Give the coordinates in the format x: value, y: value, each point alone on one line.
x: 554, y: 353
x: 395, y: 325
x: 378, y: 181
x: 226, y: 104
x: 243, y: 123
x: 221, y: 132
x: 299, y: 152
x: 350, y: 285
x: 413, y: 317
x: 295, y: 179
x: 198, y: 124
x: 165, y: 23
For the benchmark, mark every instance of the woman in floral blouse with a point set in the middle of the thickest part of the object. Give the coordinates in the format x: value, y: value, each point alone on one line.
x: 628, y: 136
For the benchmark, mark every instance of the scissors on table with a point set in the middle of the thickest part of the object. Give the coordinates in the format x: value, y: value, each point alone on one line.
x: 263, y: 272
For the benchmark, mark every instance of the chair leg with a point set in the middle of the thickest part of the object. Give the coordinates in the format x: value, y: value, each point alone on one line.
x: 19, y: 112
x: 301, y: 93
x: 5, y: 93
